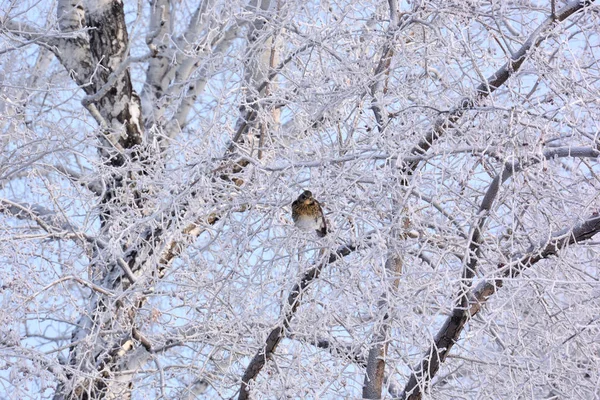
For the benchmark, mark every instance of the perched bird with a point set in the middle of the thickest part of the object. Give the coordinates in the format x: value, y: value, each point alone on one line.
x: 308, y: 214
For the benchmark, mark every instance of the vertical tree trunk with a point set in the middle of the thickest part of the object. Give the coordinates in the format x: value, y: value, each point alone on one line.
x: 375, y: 371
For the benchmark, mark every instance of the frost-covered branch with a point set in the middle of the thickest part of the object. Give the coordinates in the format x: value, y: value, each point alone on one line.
x: 450, y: 332
x: 293, y: 302
x: 46, y: 219
x: 376, y: 360
x: 94, y: 186
x: 494, y: 82
x: 473, y: 255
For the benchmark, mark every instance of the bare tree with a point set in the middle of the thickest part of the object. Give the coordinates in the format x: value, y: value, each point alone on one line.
x: 151, y: 152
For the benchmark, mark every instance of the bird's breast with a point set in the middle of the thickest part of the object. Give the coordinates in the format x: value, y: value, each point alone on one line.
x: 306, y: 223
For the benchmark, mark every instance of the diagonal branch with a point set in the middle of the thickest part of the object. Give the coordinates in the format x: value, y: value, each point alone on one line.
x: 76, y: 177
x: 279, y: 332
x: 77, y: 279
x: 47, y: 220
x: 452, y: 328
x: 460, y: 314
x: 508, y: 170
x: 485, y: 89
x: 343, y: 351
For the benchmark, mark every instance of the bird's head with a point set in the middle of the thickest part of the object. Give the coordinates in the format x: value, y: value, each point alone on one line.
x: 306, y: 197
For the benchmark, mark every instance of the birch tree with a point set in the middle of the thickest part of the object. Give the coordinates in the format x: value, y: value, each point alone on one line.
x: 151, y: 151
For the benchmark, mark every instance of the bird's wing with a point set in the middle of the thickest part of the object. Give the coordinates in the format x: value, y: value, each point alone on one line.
x: 295, y: 204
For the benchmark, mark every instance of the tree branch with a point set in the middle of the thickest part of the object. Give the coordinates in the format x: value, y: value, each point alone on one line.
x: 383, y: 66
x: 485, y: 89
x: 94, y: 186
x: 472, y: 257
x: 344, y: 351
x: 292, y: 304
x: 74, y: 278
x: 375, y: 369
x: 452, y: 328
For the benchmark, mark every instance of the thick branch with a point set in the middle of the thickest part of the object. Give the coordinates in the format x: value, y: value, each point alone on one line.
x: 96, y: 59
x: 508, y: 170
x: 491, y: 85
x: 109, y: 46
x: 452, y: 328
x: 292, y: 304
x: 375, y: 370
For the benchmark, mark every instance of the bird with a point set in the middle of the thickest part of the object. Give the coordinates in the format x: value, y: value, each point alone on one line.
x: 308, y: 214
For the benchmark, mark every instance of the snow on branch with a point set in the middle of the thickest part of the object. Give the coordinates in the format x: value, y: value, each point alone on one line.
x: 486, y: 88
x: 455, y: 323
x: 293, y: 302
